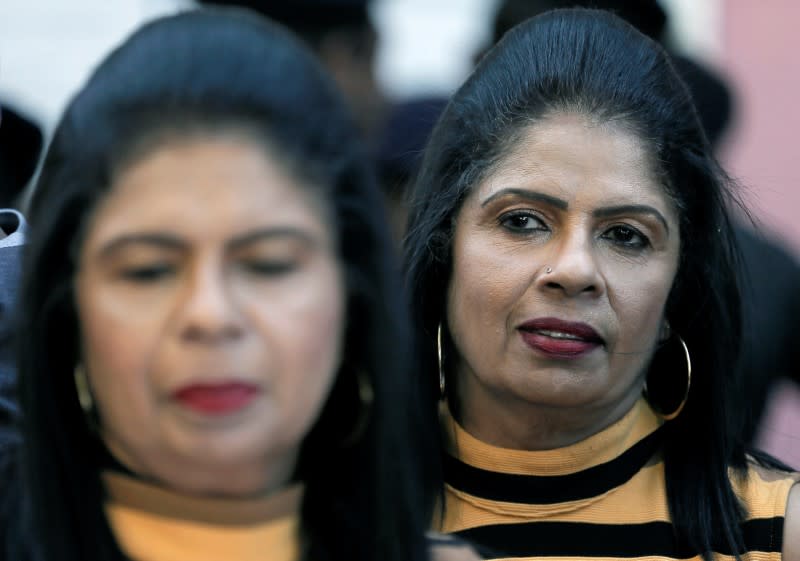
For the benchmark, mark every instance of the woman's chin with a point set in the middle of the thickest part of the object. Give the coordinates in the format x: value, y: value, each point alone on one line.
x: 562, y: 387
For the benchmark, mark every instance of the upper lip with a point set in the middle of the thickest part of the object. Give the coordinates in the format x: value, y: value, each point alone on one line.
x: 574, y: 328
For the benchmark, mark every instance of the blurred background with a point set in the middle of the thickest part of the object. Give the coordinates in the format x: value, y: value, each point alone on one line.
x: 423, y: 49
x: 426, y: 47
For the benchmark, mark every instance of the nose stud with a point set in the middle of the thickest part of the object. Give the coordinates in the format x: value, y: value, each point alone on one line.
x: 548, y: 270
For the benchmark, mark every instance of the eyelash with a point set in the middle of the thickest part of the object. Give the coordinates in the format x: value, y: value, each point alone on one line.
x: 641, y: 243
x: 148, y: 273
x: 505, y: 220
x: 269, y: 268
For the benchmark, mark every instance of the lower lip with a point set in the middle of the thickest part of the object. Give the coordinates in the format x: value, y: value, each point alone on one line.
x: 217, y: 400
x: 558, y: 348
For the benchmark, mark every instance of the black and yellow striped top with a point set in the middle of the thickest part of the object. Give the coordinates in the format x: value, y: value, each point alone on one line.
x: 602, y: 498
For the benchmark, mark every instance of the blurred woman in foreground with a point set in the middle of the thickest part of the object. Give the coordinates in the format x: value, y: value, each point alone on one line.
x: 213, y: 364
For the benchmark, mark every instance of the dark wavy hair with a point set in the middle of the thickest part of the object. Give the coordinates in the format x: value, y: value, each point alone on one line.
x: 202, y: 73
x: 592, y: 63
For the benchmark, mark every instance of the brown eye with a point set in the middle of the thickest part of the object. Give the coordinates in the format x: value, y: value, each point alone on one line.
x: 522, y: 221
x: 626, y: 236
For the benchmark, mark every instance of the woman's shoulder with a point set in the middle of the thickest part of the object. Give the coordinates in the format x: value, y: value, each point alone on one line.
x: 764, y: 486
x: 791, y: 526
x: 449, y: 548
x: 770, y: 491
x: 769, y: 470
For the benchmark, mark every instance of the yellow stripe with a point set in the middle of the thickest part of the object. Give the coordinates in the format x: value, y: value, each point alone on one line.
x: 146, y: 537
x: 595, y: 450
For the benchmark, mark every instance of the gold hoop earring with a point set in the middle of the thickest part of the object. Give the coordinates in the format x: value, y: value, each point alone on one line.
x: 439, y: 356
x: 82, y: 389
x: 85, y: 398
x: 366, y: 396
x: 674, y: 414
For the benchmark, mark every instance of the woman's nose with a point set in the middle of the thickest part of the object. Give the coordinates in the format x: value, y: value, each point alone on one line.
x: 572, y: 267
x: 208, y: 313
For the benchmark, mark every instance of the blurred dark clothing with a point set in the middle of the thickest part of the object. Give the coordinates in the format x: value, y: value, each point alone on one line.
x: 400, y: 144
x: 770, y: 306
x: 645, y: 15
x: 20, y: 146
x: 306, y: 16
x: 403, y: 139
x: 13, y: 227
x: 712, y: 97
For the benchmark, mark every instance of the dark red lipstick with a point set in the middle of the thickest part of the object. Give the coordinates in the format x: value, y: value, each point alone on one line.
x: 558, y: 338
x: 216, y: 398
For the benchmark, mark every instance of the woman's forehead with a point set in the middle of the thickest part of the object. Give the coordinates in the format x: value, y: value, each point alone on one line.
x: 567, y: 154
x: 204, y: 185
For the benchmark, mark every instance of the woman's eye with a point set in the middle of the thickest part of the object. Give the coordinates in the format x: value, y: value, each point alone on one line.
x: 627, y: 236
x: 148, y: 273
x: 269, y: 268
x: 522, y: 222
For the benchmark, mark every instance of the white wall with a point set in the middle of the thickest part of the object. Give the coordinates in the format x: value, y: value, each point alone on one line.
x: 48, y: 47
x: 428, y: 45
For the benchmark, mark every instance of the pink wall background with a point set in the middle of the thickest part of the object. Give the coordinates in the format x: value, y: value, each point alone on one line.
x: 761, y: 54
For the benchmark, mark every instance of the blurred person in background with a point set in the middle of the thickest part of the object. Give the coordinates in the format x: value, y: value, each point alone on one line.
x: 214, y: 360
x: 20, y: 146
x: 399, y: 152
x: 341, y: 33
x: 12, y: 237
x: 571, y: 263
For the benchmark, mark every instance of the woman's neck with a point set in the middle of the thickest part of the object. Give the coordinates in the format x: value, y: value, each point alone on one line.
x: 505, y: 421
x: 145, y: 496
x: 221, y: 480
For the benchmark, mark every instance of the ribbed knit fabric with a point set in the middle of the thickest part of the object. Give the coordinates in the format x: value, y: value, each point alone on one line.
x: 602, y: 498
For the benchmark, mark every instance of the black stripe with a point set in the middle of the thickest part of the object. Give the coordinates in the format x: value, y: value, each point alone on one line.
x: 550, y: 489
x: 580, y: 539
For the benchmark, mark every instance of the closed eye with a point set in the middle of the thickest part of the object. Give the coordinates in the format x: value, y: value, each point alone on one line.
x: 522, y: 221
x: 148, y: 273
x: 269, y: 268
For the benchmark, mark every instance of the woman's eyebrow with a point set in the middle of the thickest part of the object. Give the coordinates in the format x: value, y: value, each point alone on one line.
x: 607, y: 212
x: 160, y: 240
x: 263, y: 234
x: 173, y: 242
x: 527, y: 194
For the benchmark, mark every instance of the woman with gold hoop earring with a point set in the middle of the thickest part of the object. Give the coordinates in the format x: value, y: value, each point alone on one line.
x: 568, y: 204
x: 205, y: 373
